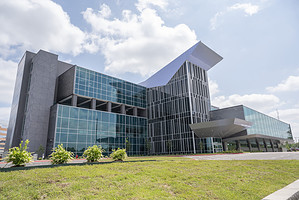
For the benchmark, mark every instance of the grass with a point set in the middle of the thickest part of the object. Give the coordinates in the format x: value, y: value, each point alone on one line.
x: 164, y: 178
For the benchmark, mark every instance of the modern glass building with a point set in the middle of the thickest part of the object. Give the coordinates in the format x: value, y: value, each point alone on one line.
x: 59, y: 103
x: 243, y: 128
x: 98, y: 109
x: 171, y: 108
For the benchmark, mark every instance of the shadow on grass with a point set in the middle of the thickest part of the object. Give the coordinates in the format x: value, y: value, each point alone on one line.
x: 70, y: 164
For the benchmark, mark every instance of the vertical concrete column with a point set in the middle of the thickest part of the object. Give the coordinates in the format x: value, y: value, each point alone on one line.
x: 257, y: 144
x: 265, y: 145
x: 123, y: 109
x: 224, y: 146
x: 272, y: 146
x: 135, y: 111
x: 238, y: 145
x: 109, y: 105
x: 93, y: 104
x: 249, y: 145
x: 74, y: 100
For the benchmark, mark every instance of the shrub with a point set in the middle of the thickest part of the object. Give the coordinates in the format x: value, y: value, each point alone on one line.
x: 60, y: 155
x: 119, y: 154
x: 93, y: 153
x: 233, y: 151
x: 19, y: 156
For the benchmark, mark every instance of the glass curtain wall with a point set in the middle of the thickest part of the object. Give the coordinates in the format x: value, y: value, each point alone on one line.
x: 266, y: 125
x: 100, y: 86
x: 200, y: 103
x: 169, y: 113
x: 78, y: 128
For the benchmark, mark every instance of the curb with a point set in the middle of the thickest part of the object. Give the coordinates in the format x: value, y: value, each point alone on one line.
x: 290, y: 192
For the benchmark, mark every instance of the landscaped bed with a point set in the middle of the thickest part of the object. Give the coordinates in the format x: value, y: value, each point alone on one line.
x: 152, y: 178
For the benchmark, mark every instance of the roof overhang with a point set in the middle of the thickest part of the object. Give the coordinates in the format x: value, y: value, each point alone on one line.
x: 220, y: 128
x: 199, y: 54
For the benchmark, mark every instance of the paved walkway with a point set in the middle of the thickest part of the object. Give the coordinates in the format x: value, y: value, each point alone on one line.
x: 249, y: 156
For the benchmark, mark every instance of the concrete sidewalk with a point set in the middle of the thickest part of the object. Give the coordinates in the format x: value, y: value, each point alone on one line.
x: 249, y: 156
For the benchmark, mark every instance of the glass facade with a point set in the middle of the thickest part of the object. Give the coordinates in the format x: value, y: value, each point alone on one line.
x: 171, y: 108
x: 148, y: 120
x: 266, y: 125
x: 96, y: 85
x: 119, y: 125
x: 78, y: 128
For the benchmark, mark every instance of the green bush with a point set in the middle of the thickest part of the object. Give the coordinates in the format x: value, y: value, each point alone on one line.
x: 93, y: 153
x: 19, y: 156
x: 119, y: 154
x: 60, y: 155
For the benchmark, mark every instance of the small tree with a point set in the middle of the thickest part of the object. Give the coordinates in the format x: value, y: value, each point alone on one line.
x: 128, y: 145
x: 40, y: 151
x: 93, y: 153
x: 169, y: 145
x: 60, y: 155
x: 201, y: 146
x: 147, y: 146
x: 19, y: 156
x: 119, y: 154
x: 287, y: 146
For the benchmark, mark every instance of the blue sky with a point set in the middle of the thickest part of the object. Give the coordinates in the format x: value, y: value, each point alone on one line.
x: 133, y: 39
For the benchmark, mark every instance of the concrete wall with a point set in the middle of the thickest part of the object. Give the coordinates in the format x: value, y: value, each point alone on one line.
x: 63, y: 67
x: 228, y: 113
x: 34, y: 95
x: 65, y: 84
x: 51, y: 130
x: 18, y: 104
x: 40, y: 99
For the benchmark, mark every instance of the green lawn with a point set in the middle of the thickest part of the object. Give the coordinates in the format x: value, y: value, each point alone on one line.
x: 152, y: 178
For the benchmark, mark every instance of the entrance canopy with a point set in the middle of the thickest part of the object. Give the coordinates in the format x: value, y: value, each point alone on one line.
x: 220, y: 128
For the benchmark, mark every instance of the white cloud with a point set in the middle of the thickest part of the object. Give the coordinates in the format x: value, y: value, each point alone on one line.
x: 213, y: 87
x: 105, y: 11
x: 4, y: 115
x: 290, y: 84
x: 137, y: 43
x: 35, y: 24
x: 142, y: 4
x: 248, y: 8
x: 8, y: 71
x: 289, y: 116
x: 261, y: 102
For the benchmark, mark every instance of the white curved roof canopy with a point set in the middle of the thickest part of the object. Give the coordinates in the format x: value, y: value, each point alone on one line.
x: 199, y: 54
